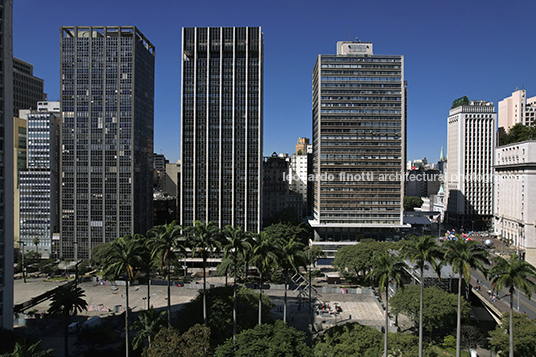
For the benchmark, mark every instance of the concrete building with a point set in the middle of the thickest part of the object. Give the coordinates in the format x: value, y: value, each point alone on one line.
x: 39, y: 183
x: 359, y: 144
x: 471, y: 141
x: 275, y: 186
x: 222, y: 123
x: 7, y: 166
x: 299, y: 169
x: 515, y: 207
x: 107, y: 104
x: 27, y: 89
x: 516, y: 109
x: 19, y: 158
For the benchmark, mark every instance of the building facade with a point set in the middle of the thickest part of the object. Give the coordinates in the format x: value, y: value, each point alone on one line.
x: 107, y: 104
x: 298, y: 176
x: 39, y: 184
x: 516, y: 109
x: 27, y: 89
x: 222, y: 123
x: 7, y: 166
x: 359, y: 139
x: 471, y: 142
x: 515, y: 209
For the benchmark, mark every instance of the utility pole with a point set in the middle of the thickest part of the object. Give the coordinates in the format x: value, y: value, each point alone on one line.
x: 22, y: 244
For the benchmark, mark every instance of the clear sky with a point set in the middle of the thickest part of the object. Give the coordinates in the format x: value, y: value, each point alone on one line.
x: 483, y: 49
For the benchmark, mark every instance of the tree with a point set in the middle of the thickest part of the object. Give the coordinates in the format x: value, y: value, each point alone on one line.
x: 292, y: 258
x: 193, y: 343
x: 388, y: 268
x: 148, y: 324
x: 439, y: 311
x: 314, y: 253
x: 205, y: 239
x: 220, y: 306
x: 284, y: 230
x: 524, y: 335
x: 422, y: 250
x: 163, y: 240
x: 29, y: 350
x: 518, y: 133
x: 67, y: 300
x: 410, y: 202
x: 99, y: 253
x: 36, y: 242
x: 235, y: 248
x: 264, y: 257
x: 147, y: 264
x: 267, y: 340
x: 512, y: 273
x: 463, y: 256
x: 123, y: 260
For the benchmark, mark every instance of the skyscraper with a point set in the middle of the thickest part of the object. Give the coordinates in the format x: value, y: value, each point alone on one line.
x: 107, y: 103
x: 222, y: 121
x: 27, y: 89
x: 471, y: 145
x: 6, y: 165
x: 359, y: 144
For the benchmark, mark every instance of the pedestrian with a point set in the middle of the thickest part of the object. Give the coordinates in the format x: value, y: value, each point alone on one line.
x: 489, y: 292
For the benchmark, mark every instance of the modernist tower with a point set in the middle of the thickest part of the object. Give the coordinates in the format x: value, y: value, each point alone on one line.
x: 107, y: 103
x: 222, y: 120
x: 471, y: 145
x: 359, y: 145
x: 6, y: 164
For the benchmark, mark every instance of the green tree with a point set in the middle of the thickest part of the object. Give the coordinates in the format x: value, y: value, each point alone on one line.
x: 235, y: 248
x: 314, y: 253
x: 205, y: 239
x: 439, y: 311
x: 193, y: 343
x: 67, y: 300
x: 264, y: 257
x: 267, y: 340
x: 284, y: 230
x: 518, y: 133
x: 99, y: 253
x: 220, y: 305
x: 36, y: 242
x: 388, y: 269
x: 29, y: 350
x: 292, y: 258
x: 422, y: 250
x: 463, y: 256
x: 123, y: 260
x: 512, y: 273
x: 164, y: 241
x: 148, y: 324
x: 147, y: 263
x: 410, y: 202
x: 524, y: 335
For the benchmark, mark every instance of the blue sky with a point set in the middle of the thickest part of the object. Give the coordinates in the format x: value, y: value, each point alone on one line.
x: 482, y: 49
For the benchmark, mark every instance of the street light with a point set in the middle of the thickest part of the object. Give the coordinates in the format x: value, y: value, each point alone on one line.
x: 22, y: 244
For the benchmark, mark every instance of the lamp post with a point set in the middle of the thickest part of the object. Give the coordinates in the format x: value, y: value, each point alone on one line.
x: 22, y: 244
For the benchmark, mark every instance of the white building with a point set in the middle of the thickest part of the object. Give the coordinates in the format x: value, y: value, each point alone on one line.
x: 517, y: 109
x: 515, y: 207
x: 471, y: 141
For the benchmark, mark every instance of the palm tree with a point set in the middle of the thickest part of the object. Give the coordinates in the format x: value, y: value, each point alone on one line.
x: 164, y: 240
x: 264, y: 256
x: 67, y: 300
x: 292, y: 258
x: 147, y: 263
x: 422, y: 250
x: 512, y: 273
x: 148, y: 324
x: 27, y: 350
x: 235, y: 248
x: 36, y: 242
x: 388, y: 268
x: 123, y: 259
x: 205, y: 240
x: 463, y: 256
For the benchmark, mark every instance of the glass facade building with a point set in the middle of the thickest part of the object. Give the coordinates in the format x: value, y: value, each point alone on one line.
x: 222, y: 121
x: 359, y: 145
x: 27, y: 89
x: 107, y: 104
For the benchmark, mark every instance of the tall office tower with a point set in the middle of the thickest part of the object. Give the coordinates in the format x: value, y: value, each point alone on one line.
x: 298, y: 173
x: 471, y: 142
x: 516, y: 109
x: 222, y: 122
x: 107, y: 103
x: 359, y: 139
x: 39, y: 184
x: 19, y: 160
x: 27, y: 89
x: 6, y: 164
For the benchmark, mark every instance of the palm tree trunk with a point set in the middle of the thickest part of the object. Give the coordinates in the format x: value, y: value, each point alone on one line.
x: 127, y: 340
x: 204, y: 291
x: 285, y: 300
x: 260, y: 302
x: 234, y: 305
x: 420, y: 312
x: 511, y: 323
x: 169, y: 293
x: 386, y: 320
x: 66, y: 333
x: 459, y: 322
x: 148, y: 290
